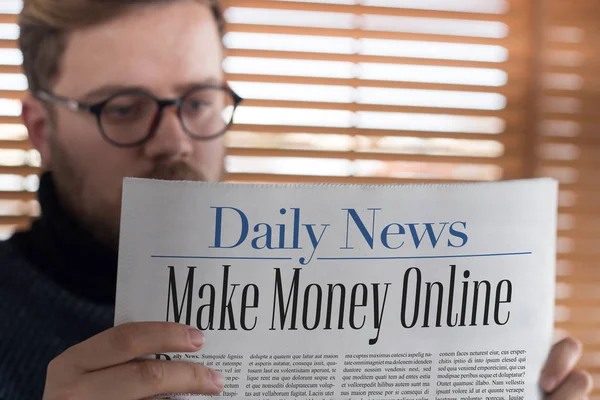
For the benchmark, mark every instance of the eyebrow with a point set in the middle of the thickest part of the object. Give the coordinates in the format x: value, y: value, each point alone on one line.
x: 109, y: 90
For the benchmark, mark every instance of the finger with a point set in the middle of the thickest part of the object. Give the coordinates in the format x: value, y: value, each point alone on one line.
x: 576, y: 386
x: 147, y: 378
x: 562, y: 359
x: 127, y: 342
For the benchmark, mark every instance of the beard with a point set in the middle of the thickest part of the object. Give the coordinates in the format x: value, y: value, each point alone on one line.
x: 99, y: 212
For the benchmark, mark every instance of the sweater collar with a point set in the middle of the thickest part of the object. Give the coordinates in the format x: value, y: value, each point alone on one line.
x: 67, y: 253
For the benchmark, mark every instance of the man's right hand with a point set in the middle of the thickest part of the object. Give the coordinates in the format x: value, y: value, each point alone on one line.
x: 107, y: 366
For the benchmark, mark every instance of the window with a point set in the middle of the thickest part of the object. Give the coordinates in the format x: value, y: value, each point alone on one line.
x: 385, y: 91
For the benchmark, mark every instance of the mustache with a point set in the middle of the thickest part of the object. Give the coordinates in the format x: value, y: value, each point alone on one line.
x: 175, y: 171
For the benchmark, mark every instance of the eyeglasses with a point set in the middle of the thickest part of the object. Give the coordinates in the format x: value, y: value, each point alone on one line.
x: 131, y: 117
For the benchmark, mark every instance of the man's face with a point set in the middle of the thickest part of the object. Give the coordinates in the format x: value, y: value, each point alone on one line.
x: 165, y: 49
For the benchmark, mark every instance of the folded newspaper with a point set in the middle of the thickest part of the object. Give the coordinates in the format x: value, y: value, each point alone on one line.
x: 348, y: 292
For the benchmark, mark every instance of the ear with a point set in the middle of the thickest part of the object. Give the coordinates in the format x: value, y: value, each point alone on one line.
x: 37, y: 121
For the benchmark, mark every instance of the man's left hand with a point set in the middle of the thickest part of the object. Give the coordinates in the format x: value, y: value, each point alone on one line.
x: 560, y: 380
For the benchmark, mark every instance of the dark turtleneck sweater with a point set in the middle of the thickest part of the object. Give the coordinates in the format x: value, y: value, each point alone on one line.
x: 57, y: 289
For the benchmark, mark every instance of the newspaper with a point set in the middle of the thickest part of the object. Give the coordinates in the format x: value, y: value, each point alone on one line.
x: 348, y: 291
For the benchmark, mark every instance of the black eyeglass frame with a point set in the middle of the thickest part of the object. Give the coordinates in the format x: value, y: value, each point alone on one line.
x: 97, y: 108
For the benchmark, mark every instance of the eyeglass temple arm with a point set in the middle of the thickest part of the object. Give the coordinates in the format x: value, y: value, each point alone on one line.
x: 72, y: 105
x: 238, y: 99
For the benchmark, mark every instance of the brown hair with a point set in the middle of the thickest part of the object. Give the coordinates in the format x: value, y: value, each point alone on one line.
x: 45, y: 25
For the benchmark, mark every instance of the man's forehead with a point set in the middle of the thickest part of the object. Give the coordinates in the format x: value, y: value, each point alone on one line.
x: 161, y: 47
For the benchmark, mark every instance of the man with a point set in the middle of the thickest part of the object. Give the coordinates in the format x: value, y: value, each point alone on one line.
x: 120, y: 88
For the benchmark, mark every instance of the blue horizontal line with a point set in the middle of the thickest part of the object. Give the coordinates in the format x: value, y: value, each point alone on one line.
x: 426, y: 257
x: 224, y: 258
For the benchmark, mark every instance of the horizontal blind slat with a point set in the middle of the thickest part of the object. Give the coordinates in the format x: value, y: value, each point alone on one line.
x: 9, y: 18
x: 513, y: 89
x: 510, y: 138
x: 10, y: 120
x: 509, y: 18
x: 12, y: 94
x: 10, y: 69
x: 8, y: 44
x: 513, y: 66
x: 19, y: 170
x: 356, y: 155
x: 512, y: 43
x: 507, y: 114
x: 367, y: 180
x: 15, y: 144
x: 19, y: 196
x: 15, y: 220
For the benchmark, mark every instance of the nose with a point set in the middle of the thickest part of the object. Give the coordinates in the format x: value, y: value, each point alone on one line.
x: 170, y: 142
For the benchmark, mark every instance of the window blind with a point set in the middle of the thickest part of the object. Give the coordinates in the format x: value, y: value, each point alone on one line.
x: 18, y: 163
x: 569, y: 150
x: 377, y: 92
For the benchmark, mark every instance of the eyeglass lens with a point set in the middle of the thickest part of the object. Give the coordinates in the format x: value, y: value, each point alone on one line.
x: 204, y: 113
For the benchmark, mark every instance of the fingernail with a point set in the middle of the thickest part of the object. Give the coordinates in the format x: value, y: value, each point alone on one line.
x: 196, y: 337
x: 548, y: 383
x: 217, y: 378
